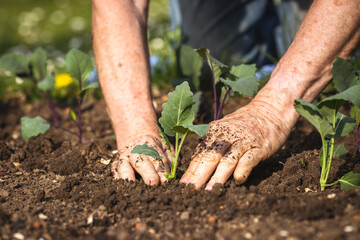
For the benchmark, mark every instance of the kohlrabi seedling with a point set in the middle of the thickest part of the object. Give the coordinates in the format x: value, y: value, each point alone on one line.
x: 34, y: 68
x: 331, y: 124
x: 344, y: 76
x: 176, y: 121
x: 225, y: 80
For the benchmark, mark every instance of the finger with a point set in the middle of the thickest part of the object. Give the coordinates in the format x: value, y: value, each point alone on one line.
x: 143, y: 165
x: 121, y: 169
x: 162, y: 166
x: 207, y: 163
x: 227, y: 165
x: 246, y: 163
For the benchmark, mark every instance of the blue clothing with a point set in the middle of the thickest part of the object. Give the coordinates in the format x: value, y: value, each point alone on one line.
x: 239, y: 31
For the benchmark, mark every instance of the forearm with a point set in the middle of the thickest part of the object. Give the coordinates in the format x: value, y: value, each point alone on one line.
x: 330, y: 29
x: 120, y: 46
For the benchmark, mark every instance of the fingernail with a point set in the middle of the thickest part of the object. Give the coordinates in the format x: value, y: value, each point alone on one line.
x: 184, y: 179
x: 151, y: 181
x: 209, y: 187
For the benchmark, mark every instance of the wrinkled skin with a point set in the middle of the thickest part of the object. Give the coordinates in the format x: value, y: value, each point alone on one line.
x: 152, y: 170
x: 236, y: 144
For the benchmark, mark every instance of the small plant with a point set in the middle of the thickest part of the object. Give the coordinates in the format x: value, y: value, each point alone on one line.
x: 225, y: 80
x: 176, y: 120
x: 331, y: 124
x: 345, y: 77
x: 34, y: 68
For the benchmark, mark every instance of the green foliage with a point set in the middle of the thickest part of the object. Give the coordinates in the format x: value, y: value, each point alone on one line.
x: 34, y: 68
x: 217, y: 68
x: 78, y: 65
x: 343, y: 75
x: 47, y: 84
x: 146, y: 150
x: 176, y: 120
x: 190, y: 64
x: 38, y: 62
x: 177, y: 109
x: 242, y: 79
x: 332, y: 124
x: 350, y: 180
x: 16, y: 63
x: 355, y: 113
x: 31, y: 127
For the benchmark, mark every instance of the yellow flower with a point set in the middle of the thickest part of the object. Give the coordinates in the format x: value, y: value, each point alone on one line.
x: 63, y: 80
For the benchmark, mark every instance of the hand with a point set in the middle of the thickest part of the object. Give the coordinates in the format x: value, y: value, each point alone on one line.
x: 237, y: 143
x: 151, y: 170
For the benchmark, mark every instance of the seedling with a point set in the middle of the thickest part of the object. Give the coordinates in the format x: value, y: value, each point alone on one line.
x: 331, y: 124
x: 77, y: 64
x: 225, y: 80
x: 345, y: 77
x: 176, y: 121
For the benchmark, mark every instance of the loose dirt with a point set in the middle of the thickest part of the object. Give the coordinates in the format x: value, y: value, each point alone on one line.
x: 51, y: 187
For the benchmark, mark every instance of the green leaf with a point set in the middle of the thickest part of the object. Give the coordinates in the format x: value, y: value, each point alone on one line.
x: 196, y: 106
x: 200, y: 130
x: 340, y: 151
x: 16, y: 63
x: 48, y: 83
x: 243, y: 70
x: 343, y: 75
x: 164, y: 137
x: 344, y: 125
x: 355, y: 113
x: 314, y: 116
x: 246, y: 85
x: 31, y: 127
x: 331, y: 105
x: 216, y: 67
x: 38, y: 63
x: 350, y: 180
x: 72, y: 114
x: 191, y: 63
x: 177, y: 109
x: 87, y: 87
x: 146, y: 150
x: 78, y: 65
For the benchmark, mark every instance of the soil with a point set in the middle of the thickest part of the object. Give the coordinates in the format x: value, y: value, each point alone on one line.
x: 51, y: 187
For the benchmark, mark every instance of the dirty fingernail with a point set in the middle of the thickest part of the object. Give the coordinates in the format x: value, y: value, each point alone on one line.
x: 184, y: 179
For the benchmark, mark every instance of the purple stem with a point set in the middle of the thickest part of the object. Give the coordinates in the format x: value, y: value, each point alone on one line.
x: 52, y: 109
x: 48, y: 101
x: 214, y: 90
x: 228, y: 92
x: 67, y: 130
x: 358, y: 138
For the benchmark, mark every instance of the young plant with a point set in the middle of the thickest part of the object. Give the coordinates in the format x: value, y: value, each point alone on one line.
x: 176, y: 120
x: 34, y: 68
x: 344, y: 77
x: 331, y: 124
x: 225, y: 80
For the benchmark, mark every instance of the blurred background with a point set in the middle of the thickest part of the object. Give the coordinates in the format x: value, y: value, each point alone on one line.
x: 58, y: 26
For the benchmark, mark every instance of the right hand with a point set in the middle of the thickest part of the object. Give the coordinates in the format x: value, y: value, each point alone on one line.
x: 151, y: 170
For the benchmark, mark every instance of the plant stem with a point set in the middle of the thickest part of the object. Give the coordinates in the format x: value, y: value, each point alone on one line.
x: 177, y: 153
x: 67, y: 130
x: 49, y: 102
x: 221, y: 106
x: 357, y: 134
x: 214, y: 90
x: 323, y: 163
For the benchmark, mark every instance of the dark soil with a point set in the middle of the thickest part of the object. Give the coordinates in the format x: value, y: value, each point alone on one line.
x: 51, y: 187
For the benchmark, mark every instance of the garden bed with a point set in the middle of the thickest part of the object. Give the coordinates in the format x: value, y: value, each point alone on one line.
x: 53, y: 188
